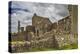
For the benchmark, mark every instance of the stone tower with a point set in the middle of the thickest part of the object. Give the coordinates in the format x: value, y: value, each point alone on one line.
x: 22, y: 29
x: 18, y: 26
x: 73, y: 11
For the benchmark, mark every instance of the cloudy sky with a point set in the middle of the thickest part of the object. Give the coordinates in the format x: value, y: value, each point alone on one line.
x: 24, y: 11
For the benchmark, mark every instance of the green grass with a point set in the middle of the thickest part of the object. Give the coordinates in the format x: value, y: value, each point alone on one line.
x: 72, y: 46
x: 41, y: 49
x: 66, y: 47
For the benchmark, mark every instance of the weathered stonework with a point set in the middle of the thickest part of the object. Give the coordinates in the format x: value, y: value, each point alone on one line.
x: 45, y: 34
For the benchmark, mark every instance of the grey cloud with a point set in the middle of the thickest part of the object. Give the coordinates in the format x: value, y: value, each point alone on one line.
x: 50, y: 11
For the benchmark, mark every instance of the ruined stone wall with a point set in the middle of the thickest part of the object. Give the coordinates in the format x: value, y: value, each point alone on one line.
x: 64, y: 25
x: 44, y: 34
x: 62, y: 32
x: 41, y: 24
x: 58, y: 35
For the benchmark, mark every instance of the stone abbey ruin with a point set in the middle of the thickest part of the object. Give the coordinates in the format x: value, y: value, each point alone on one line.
x: 45, y: 34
